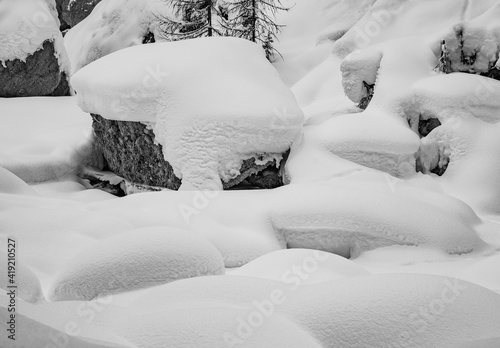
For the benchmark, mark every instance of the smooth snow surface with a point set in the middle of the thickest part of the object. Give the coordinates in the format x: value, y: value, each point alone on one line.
x: 322, y: 266
x: 113, y: 25
x: 28, y: 283
x: 213, y: 102
x: 25, y: 25
x: 41, y: 140
x: 404, y: 309
x: 136, y: 259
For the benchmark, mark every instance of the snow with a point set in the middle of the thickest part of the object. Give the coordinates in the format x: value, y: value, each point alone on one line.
x: 32, y: 145
x: 423, y: 250
x: 406, y: 310
x: 113, y: 25
x: 288, y: 264
x: 52, y: 325
x: 479, y: 36
x: 212, y: 326
x: 206, y: 133
x: 371, y: 140
x: 29, y: 285
x: 443, y: 96
x: 136, y: 259
x: 25, y: 25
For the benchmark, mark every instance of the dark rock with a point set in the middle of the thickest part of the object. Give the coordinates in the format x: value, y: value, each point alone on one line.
x: 367, y: 95
x: 39, y: 75
x: 149, y: 38
x: 63, y: 88
x: 465, y: 63
x: 130, y: 152
x: 426, y: 126
x: 75, y: 11
x: 63, y: 25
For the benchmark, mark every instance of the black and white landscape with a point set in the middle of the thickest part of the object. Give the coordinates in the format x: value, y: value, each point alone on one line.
x: 249, y: 173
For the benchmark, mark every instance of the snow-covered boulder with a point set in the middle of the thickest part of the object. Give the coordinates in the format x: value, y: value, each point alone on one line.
x: 212, y: 103
x: 136, y: 259
x: 112, y: 25
x: 32, y: 54
x: 306, y: 266
x: 473, y: 46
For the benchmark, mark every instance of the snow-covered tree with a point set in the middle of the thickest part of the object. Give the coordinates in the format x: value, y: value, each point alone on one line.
x: 254, y: 20
x: 193, y: 18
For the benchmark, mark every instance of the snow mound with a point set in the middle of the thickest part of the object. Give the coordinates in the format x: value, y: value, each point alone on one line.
x: 371, y: 140
x: 136, y: 259
x: 478, y: 38
x: 310, y: 266
x: 10, y: 183
x: 483, y: 272
x: 407, y: 310
x: 213, y: 326
x: 28, y: 285
x: 48, y: 325
x: 206, y: 133
x: 25, y: 26
x: 349, y: 216
x: 32, y: 144
x: 446, y: 95
x: 112, y: 25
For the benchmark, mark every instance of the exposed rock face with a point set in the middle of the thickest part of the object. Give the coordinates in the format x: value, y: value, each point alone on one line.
x: 131, y: 152
x: 75, y: 11
x: 39, y: 75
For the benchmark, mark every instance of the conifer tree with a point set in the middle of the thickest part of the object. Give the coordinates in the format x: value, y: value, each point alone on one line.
x: 193, y: 19
x: 254, y: 20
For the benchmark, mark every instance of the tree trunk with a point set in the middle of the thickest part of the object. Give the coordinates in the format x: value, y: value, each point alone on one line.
x: 209, y: 15
x: 254, y: 20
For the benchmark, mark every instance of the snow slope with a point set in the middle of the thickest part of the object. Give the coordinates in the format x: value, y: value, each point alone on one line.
x: 111, y: 26
x: 395, y: 47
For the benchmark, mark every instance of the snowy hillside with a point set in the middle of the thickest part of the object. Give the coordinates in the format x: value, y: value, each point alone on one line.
x: 201, y: 192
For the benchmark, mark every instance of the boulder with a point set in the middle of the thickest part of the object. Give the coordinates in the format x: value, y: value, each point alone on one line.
x: 39, y: 75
